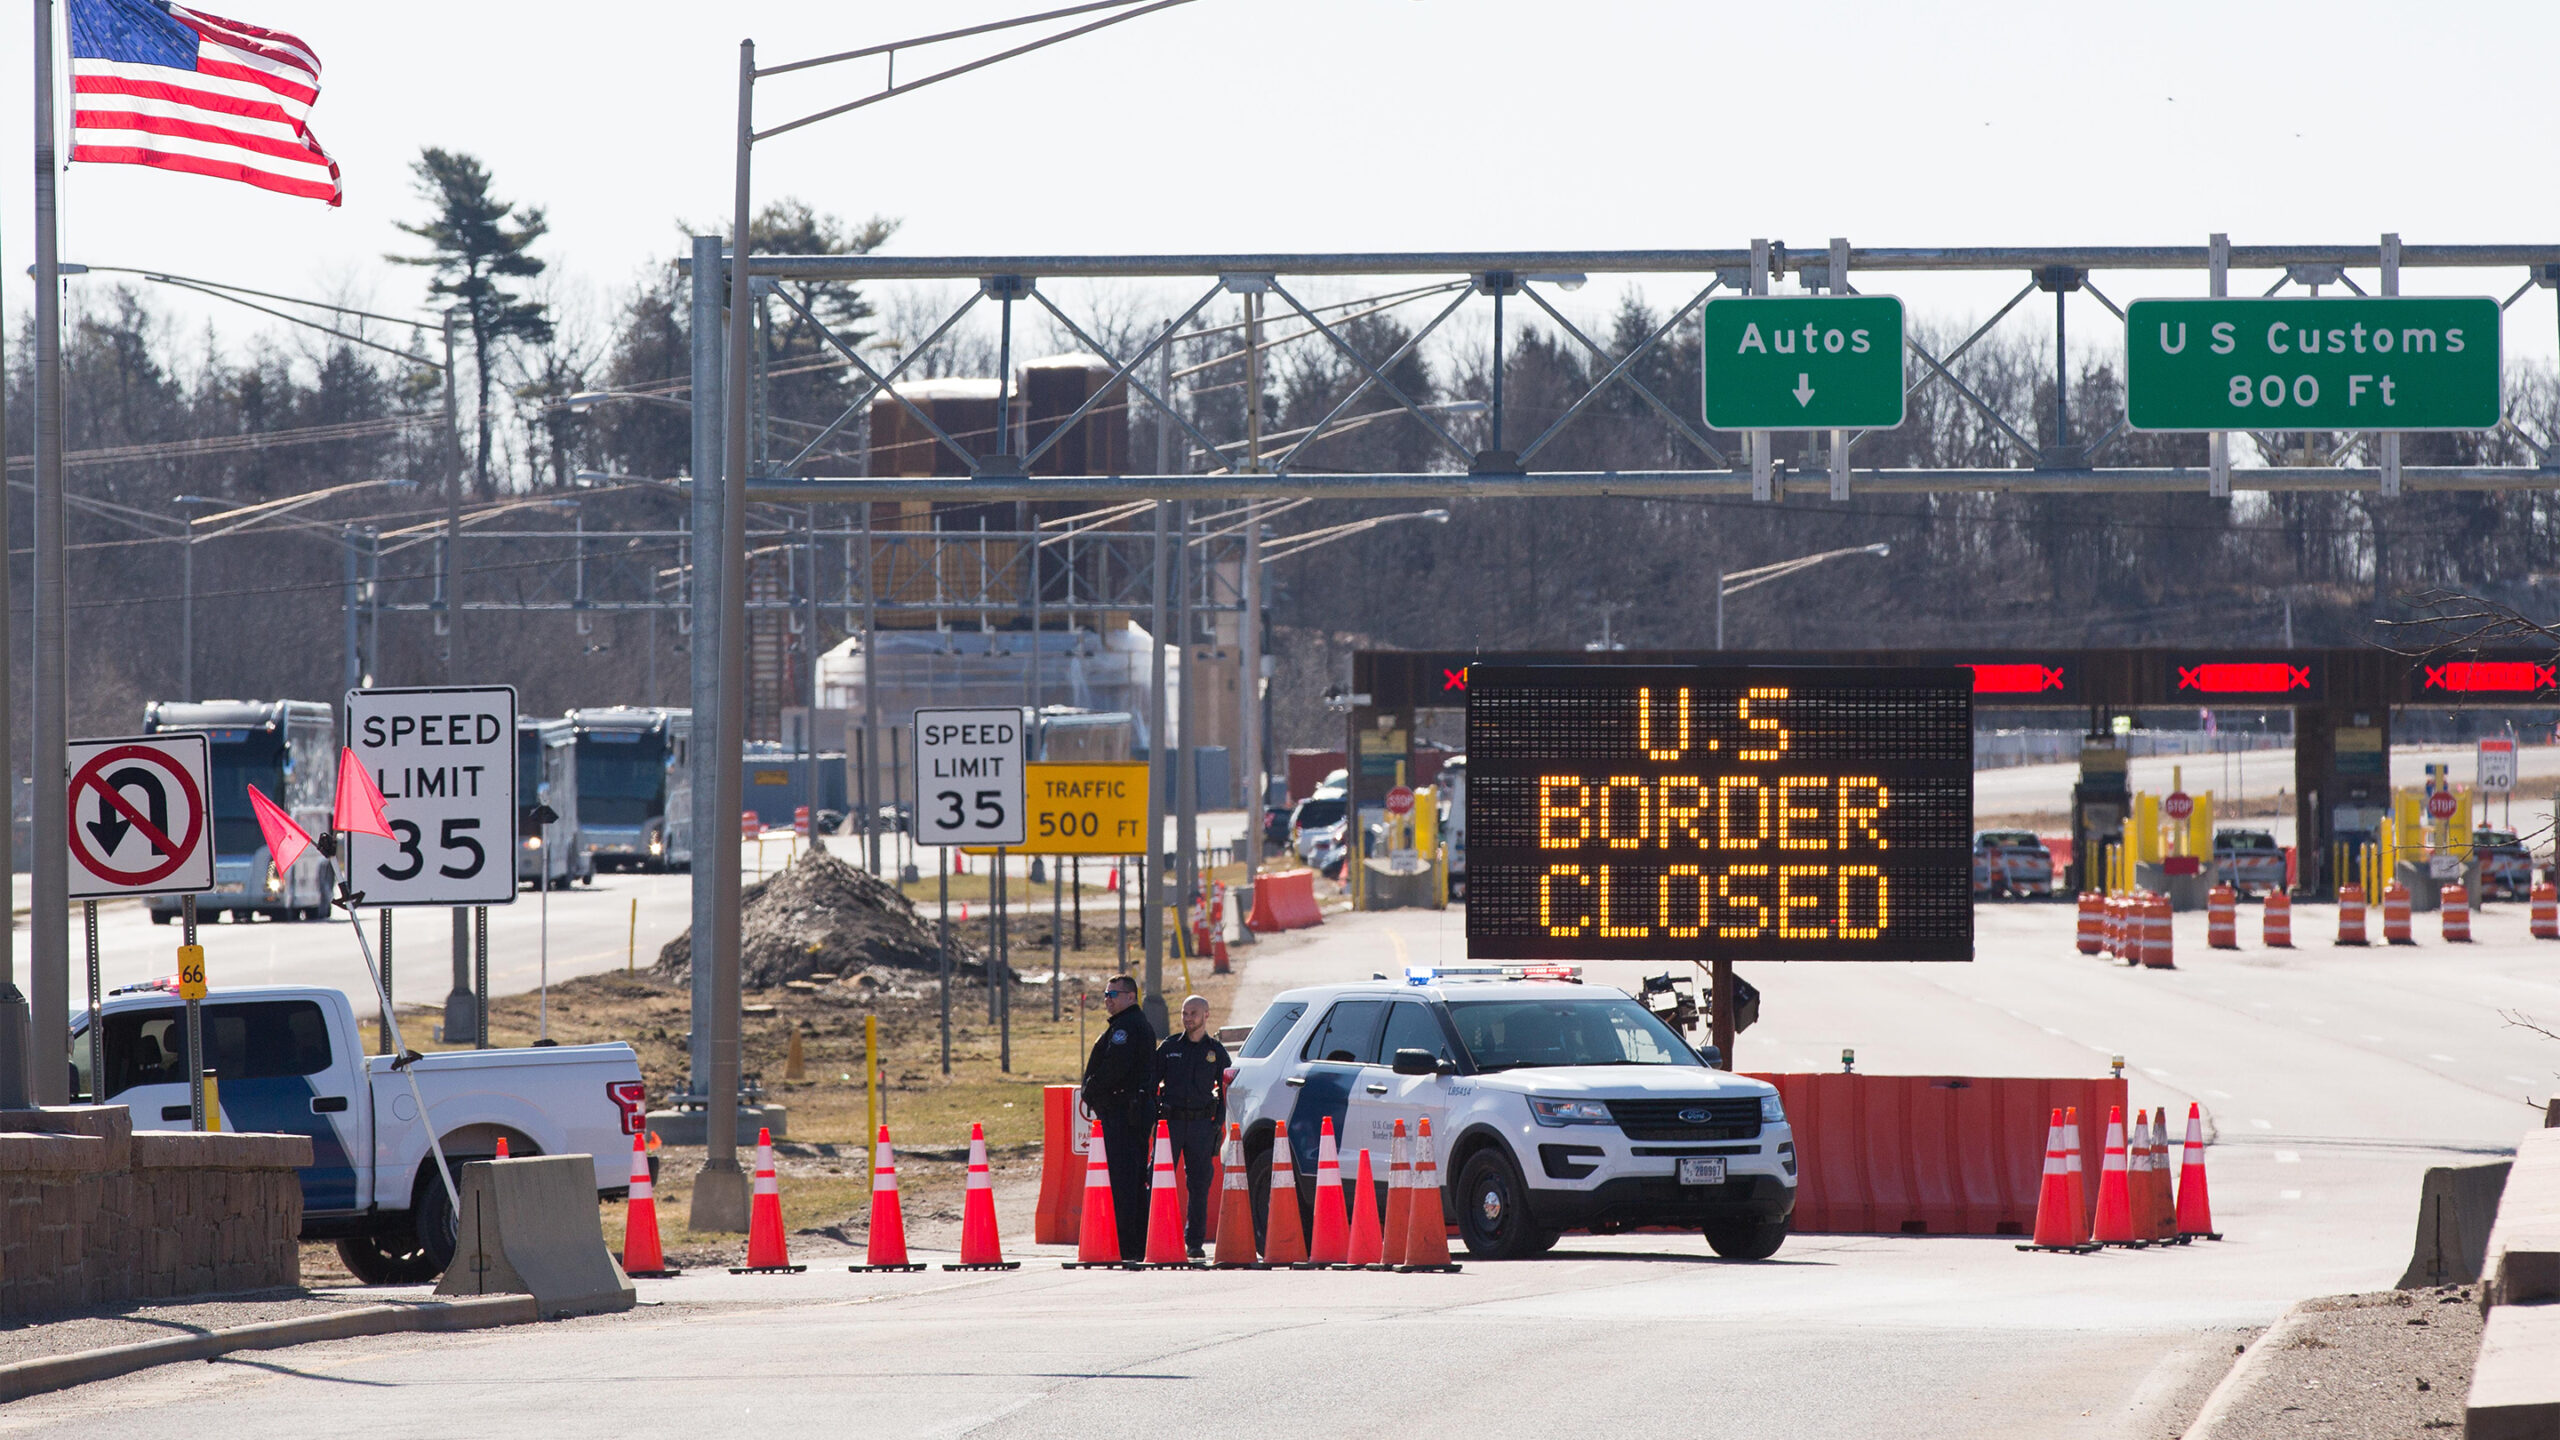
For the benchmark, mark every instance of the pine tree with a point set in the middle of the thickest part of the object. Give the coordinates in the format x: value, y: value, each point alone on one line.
x: 479, y: 242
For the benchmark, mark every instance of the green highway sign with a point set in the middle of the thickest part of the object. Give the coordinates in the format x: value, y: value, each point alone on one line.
x: 1803, y: 362
x: 2379, y: 362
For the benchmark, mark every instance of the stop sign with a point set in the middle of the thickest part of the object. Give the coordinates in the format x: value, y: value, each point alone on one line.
x: 2440, y: 805
x: 2179, y: 805
x: 1400, y: 801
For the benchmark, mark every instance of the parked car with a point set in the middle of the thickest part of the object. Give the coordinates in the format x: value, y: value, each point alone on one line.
x: 2248, y: 861
x: 1315, y: 814
x: 2506, y: 866
x: 2011, y: 863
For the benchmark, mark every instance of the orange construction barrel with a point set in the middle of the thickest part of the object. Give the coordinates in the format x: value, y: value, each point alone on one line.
x: 2093, y: 923
x: 2351, y: 915
x: 2395, y: 915
x: 2221, y: 920
x: 2279, y: 920
x: 2546, y: 911
x: 2457, y: 914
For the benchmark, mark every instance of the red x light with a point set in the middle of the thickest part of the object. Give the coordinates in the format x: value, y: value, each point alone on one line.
x: 2244, y: 677
x: 2475, y: 677
x: 1452, y: 679
x: 2027, y: 679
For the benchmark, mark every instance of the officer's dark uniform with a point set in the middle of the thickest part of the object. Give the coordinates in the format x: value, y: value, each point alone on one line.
x: 1120, y: 1090
x: 1193, y: 1074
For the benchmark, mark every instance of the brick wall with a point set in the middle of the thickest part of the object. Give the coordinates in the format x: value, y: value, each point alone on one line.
x: 92, y: 1213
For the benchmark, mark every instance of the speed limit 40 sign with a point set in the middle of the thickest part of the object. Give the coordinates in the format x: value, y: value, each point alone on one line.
x: 969, y: 778
x: 446, y: 762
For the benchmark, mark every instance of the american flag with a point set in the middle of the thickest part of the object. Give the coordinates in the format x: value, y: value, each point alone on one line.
x: 158, y: 84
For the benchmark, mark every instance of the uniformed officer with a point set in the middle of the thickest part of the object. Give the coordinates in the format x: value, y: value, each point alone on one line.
x: 1120, y: 1090
x: 1192, y: 1069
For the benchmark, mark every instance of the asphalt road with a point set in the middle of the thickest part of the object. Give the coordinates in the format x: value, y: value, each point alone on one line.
x: 2333, y: 1078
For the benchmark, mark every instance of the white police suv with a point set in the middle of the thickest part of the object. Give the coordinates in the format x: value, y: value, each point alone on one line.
x: 1554, y: 1106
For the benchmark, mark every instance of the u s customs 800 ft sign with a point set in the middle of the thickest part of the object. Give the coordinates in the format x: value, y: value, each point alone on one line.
x: 1741, y: 812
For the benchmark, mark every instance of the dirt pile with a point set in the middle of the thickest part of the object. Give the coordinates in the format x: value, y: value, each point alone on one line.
x: 821, y: 916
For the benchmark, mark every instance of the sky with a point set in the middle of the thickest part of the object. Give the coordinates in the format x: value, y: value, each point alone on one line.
x: 1260, y: 125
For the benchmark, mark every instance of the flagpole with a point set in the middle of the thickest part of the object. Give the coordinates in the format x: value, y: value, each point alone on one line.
x: 49, y: 913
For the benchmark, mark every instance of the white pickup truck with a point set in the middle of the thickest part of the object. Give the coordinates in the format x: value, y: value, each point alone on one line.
x: 290, y: 1059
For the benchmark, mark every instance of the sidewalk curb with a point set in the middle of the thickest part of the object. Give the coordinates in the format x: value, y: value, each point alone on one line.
x: 60, y: 1372
x: 2212, y: 1422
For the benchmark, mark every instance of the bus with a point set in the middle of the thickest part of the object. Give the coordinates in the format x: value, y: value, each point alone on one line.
x: 635, y: 787
x: 288, y: 749
x: 549, y: 856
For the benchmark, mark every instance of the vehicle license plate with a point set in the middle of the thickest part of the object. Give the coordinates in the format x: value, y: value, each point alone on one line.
x: 1702, y: 1170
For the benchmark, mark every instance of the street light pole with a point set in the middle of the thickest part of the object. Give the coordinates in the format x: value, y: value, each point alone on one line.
x: 49, y: 911
x: 1734, y: 582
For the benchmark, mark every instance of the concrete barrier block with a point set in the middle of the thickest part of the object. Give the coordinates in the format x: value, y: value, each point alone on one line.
x: 2515, y: 1384
x: 2522, y: 1264
x: 2457, y: 1204
x: 530, y: 1227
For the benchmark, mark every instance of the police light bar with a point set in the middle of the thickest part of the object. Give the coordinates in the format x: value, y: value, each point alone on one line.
x: 1435, y: 974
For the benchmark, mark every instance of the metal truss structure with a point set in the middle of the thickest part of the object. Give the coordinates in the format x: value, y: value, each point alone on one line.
x: 1727, y: 462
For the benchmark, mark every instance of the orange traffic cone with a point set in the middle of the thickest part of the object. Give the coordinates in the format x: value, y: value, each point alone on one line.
x: 2114, y: 1225
x: 2138, y: 1175
x: 1283, y: 1241
x: 2074, y: 1170
x: 2057, y: 1218
x: 888, y: 1248
x: 1332, y: 1241
x: 2164, y: 1197
x: 1112, y: 885
x: 1426, y: 1244
x: 980, y: 1249
x: 767, y: 1252
x: 641, y: 1257
x: 2195, y: 1201
x: 1235, y: 1206
x: 1164, y: 1208
x: 1399, y: 1201
x: 1368, y: 1240
x: 1098, y: 1239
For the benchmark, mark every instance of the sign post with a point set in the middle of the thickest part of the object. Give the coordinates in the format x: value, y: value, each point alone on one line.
x: 970, y: 792
x: 1711, y: 814
x: 2368, y: 363
x: 140, y: 823
x: 1802, y: 362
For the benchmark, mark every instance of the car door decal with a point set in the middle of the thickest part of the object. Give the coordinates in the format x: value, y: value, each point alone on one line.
x: 1325, y: 1096
x: 281, y: 1105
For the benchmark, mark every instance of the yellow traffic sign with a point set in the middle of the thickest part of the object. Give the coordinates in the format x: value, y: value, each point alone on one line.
x: 191, y: 972
x: 1083, y: 809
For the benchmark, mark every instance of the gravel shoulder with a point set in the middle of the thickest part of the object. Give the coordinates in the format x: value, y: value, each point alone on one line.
x: 2383, y: 1365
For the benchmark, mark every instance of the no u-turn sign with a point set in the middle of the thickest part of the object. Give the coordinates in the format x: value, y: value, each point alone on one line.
x: 139, y: 822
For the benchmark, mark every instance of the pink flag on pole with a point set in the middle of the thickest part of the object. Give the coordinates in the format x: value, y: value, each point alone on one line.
x: 359, y: 808
x: 285, y: 840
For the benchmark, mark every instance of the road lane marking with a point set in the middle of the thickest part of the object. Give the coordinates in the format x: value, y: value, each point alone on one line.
x: 2449, y: 1060
x: 2288, y: 1194
x: 2219, y: 1094
x: 2288, y: 1157
x: 2262, y: 1124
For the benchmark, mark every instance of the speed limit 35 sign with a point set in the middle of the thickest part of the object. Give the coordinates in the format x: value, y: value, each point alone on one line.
x: 446, y: 762
x: 969, y: 777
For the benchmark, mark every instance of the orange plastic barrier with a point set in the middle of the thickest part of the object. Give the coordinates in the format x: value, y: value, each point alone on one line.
x: 2457, y: 914
x: 2158, y: 937
x: 1930, y: 1154
x: 1284, y: 900
x: 2395, y: 915
x: 2279, y: 920
x: 1064, y: 1130
x: 2546, y: 912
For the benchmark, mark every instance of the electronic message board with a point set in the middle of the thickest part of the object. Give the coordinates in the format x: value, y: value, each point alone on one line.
x: 1706, y: 812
